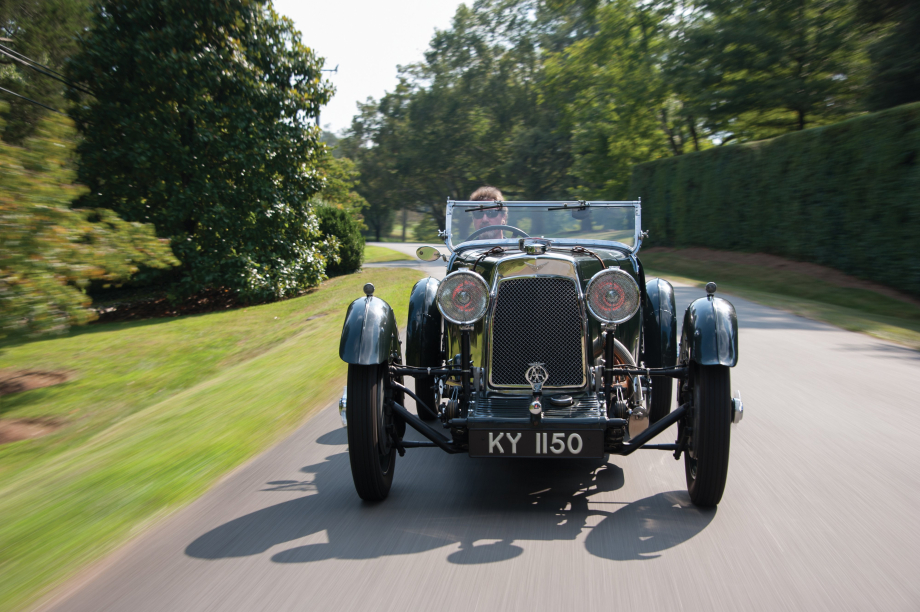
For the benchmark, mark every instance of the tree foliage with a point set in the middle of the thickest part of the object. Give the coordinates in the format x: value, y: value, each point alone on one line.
x: 895, y: 53
x: 560, y: 98
x: 612, y: 97
x: 469, y: 114
x: 49, y: 251
x: 341, y: 223
x: 758, y: 68
x: 201, y: 124
x: 44, y: 31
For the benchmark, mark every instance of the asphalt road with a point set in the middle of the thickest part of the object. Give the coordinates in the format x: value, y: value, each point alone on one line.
x: 820, y: 511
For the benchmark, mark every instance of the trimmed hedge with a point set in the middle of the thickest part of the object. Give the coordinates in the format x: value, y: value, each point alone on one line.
x: 845, y: 195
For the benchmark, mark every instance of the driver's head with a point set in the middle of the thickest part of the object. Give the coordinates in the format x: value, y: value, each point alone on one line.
x: 485, y: 218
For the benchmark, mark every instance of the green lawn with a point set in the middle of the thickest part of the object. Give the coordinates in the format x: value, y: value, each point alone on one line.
x: 376, y: 254
x: 854, y: 309
x: 157, y: 412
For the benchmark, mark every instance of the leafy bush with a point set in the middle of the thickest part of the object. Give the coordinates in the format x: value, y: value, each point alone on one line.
x: 844, y: 195
x: 201, y: 123
x: 50, y: 251
x: 340, y: 223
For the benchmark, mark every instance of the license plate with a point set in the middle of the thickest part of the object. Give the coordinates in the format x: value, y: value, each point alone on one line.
x: 531, y: 443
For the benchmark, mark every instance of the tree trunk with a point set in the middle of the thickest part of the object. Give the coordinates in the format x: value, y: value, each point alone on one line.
x: 696, y: 141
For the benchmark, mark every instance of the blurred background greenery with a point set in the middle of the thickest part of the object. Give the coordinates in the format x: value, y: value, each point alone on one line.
x: 162, y: 158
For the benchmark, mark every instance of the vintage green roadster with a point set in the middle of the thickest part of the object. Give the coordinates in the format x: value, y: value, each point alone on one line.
x: 545, y: 339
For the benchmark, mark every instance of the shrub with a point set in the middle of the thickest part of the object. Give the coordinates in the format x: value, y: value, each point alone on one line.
x: 340, y: 223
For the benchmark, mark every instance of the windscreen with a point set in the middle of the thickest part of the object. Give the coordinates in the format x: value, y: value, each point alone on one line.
x: 603, y: 222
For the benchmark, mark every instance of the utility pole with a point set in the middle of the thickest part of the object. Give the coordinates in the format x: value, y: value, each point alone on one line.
x: 333, y: 71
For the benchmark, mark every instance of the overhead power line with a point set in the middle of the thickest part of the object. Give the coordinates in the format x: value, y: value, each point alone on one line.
x: 32, y: 61
x: 48, y: 72
x: 13, y: 93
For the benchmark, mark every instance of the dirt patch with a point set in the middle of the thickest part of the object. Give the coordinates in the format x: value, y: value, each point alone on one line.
x: 762, y: 260
x: 13, y: 430
x: 17, y: 381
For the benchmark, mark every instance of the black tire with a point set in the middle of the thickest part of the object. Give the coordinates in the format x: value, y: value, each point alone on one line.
x: 706, y: 461
x: 662, y: 388
x: 424, y: 388
x: 370, y: 451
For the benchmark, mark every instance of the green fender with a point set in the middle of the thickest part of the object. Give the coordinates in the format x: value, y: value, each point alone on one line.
x: 710, y: 333
x: 660, y: 319
x: 369, y: 335
x: 423, y: 333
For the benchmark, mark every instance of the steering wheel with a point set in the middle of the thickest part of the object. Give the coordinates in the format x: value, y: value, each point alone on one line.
x: 491, y: 228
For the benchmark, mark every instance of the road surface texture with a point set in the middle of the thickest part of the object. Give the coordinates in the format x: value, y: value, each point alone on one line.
x: 820, y: 511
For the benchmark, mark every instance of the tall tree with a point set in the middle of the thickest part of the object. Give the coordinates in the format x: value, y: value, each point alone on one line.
x: 758, y: 68
x: 201, y: 123
x: 612, y: 96
x: 468, y: 115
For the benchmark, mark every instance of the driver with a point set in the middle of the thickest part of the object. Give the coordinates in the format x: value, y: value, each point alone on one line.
x: 485, y: 218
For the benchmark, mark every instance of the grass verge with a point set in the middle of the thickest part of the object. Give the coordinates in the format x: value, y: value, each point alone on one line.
x: 377, y: 254
x: 833, y: 299
x: 189, y: 399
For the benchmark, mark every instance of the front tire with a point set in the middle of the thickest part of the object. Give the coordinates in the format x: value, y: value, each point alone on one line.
x: 370, y: 450
x: 706, y: 460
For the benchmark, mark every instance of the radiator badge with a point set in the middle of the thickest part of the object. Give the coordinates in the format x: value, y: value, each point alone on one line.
x: 536, y: 266
x: 536, y: 375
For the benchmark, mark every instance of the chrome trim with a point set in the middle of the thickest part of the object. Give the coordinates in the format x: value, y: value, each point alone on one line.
x: 614, y: 272
x: 478, y: 278
x: 343, y: 404
x: 500, y: 276
x: 737, y: 408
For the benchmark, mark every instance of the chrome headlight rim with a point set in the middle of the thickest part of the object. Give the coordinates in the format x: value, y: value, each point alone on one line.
x: 625, y: 277
x: 442, y: 288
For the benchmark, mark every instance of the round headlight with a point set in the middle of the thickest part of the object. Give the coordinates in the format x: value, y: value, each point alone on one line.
x: 463, y: 297
x: 612, y: 296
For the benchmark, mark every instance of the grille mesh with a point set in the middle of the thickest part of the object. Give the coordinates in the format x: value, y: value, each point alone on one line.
x: 537, y: 320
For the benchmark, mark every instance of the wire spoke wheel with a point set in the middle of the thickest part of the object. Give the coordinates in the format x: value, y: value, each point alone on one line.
x: 706, y: 459
x: 370, y: 450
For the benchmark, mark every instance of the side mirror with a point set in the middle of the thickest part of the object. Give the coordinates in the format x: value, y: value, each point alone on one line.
x: 427, y: 253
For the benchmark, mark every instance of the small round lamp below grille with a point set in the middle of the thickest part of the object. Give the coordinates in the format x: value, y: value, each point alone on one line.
x: 612, y: 296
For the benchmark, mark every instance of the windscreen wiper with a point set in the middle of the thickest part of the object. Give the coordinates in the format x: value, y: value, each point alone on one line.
x: 497, y: 204
x: 581, y: 205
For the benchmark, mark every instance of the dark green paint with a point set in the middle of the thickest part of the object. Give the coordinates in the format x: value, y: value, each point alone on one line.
x: 660, y: 319
x: 369, y: 334
x: 423, y: 332
x: 710, y: 333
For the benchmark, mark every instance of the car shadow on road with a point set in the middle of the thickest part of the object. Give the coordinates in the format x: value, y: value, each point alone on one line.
x: 478, y: 510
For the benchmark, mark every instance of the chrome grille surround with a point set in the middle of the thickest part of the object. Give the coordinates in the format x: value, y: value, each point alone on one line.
x: 537, y: 319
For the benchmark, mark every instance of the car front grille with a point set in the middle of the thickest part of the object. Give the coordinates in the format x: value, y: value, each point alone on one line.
x: 537, y: 320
